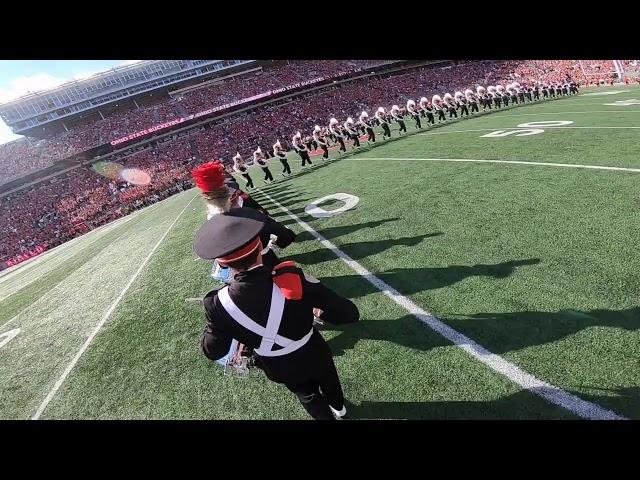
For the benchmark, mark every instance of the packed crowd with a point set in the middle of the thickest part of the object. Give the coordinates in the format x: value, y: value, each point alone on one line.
x: 21, y: 157
x: 54, y: 211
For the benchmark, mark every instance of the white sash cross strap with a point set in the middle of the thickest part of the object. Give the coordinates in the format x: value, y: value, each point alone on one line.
x: 269, y: 333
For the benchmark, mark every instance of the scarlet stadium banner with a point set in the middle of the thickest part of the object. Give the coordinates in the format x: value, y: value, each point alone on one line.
x: 23, y: 257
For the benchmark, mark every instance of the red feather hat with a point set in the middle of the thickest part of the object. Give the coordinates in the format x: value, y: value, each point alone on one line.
x: 209, y: 176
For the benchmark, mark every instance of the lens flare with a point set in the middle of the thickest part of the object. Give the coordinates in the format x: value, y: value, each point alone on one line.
x: 135, y: 176
x: 107, y: 169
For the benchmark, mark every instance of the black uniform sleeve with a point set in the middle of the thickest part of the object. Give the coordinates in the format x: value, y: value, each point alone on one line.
x: 215, y: 342
x: 251, y: 203
x: 285, y: 235
x: 335, y: 308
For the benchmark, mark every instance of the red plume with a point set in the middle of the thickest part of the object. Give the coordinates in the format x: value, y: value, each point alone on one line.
x: 209, y: 176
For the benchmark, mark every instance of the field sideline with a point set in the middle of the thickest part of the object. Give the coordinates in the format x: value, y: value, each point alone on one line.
x: 534, y: 260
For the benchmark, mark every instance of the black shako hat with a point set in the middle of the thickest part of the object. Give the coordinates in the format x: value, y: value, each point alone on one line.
x: 230, y: 236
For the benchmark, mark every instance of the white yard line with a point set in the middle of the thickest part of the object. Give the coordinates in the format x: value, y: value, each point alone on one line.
x: 545, y: 390
x: 563, y: 113
x: 53, y: 289
x: 515, y: 162
x: 105, y: 317
x: 520, y: 128
x: 57, y: 260
x: 52, y: 253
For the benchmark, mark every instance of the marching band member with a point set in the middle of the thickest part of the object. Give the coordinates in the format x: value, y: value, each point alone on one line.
x: 545, y: 90
x: 484, y: 99
x: 381, y: 116
x: 219, y: 198
x: 450, y: 105
x: 397, y: 116
x: 491, y: 95
x: 462, y: 103
x: 527, y: 92
x: 366, y: 124
x: 318, y: 137
x: 573, y: 87
x: 261, y: 161
x: 511, y: 90
x: 536, y: 90
x: 336, y: 131
x: 301, y: 149
x: 352, y: 132
x: 472, y: 99
x: 411, y: 108
x: 281, y: 155
x: 436, y: 101
x: 311, y: 144
x: 272, y: 310
x: 426, y: 109
x: 519, y: 91
x: 503, y: 97
x: 241, y: 168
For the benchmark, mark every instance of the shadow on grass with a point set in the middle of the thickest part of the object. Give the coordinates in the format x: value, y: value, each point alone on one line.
x: 339, y: 231
x: 359, y: 250
x: 521, y: 405
x: 505, y: 332
x: 414, y: 280
x: 406, y: 331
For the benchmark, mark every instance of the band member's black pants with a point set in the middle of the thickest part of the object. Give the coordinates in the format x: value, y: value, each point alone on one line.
x: 319, y: 391
x: 416, y: 117
x: 505, y: 99
x: 285, y: 164
x: 248, y: 179
x: 474, y: 107
x: 486, y: 103
x: 497, y: 101
x: 304, y: 155
x: 441, y: 115
x: 403, y: 127
x: 464, y: 110
x: 355, y: 138
x: 325, y: 150
x: 267, y: 174
x: 371, y: 134
x: 386, y: 131
x: 521, y: 97
x: 431, y: 118
x: 514, y: 99
x: 343, y: 148
x: 536, y: 95
x: 452, y: 112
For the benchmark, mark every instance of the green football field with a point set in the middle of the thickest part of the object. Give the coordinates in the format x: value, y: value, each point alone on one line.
x: 496, y: 273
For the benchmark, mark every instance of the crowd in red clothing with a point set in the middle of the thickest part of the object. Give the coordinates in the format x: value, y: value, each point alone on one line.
x: 56, y: 210
x: 22, y: 157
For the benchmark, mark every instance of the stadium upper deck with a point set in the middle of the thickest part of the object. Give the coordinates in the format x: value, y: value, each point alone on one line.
x: 28, y: 115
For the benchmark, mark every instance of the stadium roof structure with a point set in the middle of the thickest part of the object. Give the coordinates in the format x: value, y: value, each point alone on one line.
x: 37, y: 109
